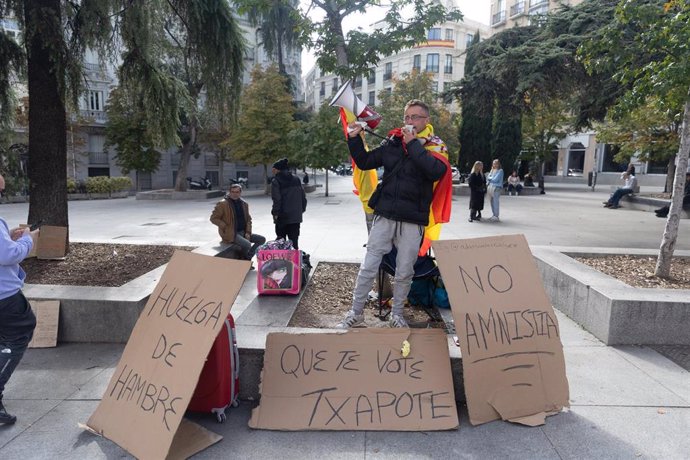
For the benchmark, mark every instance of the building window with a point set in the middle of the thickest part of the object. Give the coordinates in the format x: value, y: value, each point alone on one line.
x: 448, y: 68
x: 97, y: 172
x: 371, y: 78
x: 213, y: 176
x: 335, y: 86
x: 434, y: 33
x: 469, y: 38
x: 608, y: 163
x: 432, y: 62
x: 358, y: 82
x: 372, y: 98
x: 517, y: 8
x: 449, y: 34
x: 388, y: 73
x: 417, y: 62
x: 322, y: 91
x: 94, y: 100
x: 446, y: 86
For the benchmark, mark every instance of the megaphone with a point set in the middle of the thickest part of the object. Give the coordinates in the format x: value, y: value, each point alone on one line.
x: 347, y: 99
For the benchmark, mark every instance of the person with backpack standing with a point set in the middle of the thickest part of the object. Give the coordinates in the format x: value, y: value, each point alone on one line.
x: 289, y: 202
x: 477, y: 184
x: 401, y: 204
x: 494, y: 182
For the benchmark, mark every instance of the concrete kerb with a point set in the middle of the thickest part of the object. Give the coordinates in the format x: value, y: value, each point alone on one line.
x: 105, y: 314
x: 617, y: 314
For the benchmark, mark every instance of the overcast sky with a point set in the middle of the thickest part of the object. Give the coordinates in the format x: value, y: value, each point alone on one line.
x: 477, y: 10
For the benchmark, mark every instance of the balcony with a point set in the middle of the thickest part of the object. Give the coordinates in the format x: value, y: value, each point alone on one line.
x: 98, y: 158
x: 94, y: 116
x: 498, y: 18
x: 95, y: 72
x: 517, y: 9
x: 536, y: 3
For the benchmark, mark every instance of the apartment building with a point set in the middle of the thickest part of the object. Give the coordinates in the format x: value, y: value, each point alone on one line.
x: 442, y: 54
x: 87, y: 155
x: 512, y: 13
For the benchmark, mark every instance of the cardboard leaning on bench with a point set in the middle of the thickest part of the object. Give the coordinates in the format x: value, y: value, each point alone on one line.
x: 512, y: 356
x: 143, y: 406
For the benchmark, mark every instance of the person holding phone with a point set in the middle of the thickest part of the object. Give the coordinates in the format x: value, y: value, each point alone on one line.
x: 17, y: 321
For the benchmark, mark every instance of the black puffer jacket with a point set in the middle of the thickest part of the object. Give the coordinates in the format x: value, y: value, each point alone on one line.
x: 405, y: 197
x: 289, y: 199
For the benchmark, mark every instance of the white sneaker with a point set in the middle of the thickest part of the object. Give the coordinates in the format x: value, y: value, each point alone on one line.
x: 397, y: 321
x: 351, y: 320
x: 494, y: 219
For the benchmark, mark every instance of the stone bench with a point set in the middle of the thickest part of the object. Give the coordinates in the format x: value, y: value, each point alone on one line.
x: 613, y: 188
x: 108, y: 314
x: 648, y: 203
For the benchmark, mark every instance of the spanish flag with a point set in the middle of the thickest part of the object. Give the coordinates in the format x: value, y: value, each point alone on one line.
x: 364, y: 181
x: 441, y: 201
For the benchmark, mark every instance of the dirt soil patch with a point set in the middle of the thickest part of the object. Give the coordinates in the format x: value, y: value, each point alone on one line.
x: 638, y: 271
x: 89, y: 264
x: 328, y: 298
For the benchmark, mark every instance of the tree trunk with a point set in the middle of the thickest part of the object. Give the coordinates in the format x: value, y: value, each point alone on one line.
x: 668, y: 242
x: 267, y: 185
x: 326, y: 181
x: 221, y: 170
x: 47, y: 118
x: 185, y: 154
x: 670, y: 174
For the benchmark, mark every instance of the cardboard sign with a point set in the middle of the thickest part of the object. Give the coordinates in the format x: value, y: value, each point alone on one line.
x: 51, y: 243
x: 279, y: 271
x: 47, y: 314
x: 512, y: 354
x: 357, y: 380
x: 154, y: 381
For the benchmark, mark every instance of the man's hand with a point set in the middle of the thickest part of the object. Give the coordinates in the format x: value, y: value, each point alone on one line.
x: 353, y: 129
x: 18, y: 232
x: 409, y: 134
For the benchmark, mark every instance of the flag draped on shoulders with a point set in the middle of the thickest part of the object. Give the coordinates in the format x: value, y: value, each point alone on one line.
x: 364, y: 181
x: 441, y: 201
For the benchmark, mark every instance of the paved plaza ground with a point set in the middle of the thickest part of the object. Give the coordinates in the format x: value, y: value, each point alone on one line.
x: 626, y: 402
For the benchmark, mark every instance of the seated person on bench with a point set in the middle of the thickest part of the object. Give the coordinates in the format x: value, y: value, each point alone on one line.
x: 627, y: 189
x: 231, y: 216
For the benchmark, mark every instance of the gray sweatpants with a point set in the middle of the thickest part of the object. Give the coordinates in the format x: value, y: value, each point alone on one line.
x: 384, y: 234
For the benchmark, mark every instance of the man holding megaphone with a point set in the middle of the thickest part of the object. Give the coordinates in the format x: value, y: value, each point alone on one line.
x: 401, y: 204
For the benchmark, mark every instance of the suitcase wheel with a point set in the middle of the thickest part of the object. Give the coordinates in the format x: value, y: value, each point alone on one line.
x: 235, y: 403
x: 221, y: 417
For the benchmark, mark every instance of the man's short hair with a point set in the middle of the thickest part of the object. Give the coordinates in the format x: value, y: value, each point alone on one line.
x: 234, y: 186
x: 418, y: 103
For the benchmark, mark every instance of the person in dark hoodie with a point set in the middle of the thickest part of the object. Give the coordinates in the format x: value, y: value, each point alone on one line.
x: 289, y: 202
x: 231, y: 216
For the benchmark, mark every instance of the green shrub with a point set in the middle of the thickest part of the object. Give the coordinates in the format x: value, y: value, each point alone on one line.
x: 71, y: 185
x: 120, y: 184
x: 99, y: 184
x: 16, y: 186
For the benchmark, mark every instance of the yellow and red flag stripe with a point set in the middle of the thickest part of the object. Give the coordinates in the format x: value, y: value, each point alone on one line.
x: 364, y: 181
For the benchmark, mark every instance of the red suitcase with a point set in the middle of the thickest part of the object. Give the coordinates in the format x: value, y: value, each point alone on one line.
x: 219, y: 383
